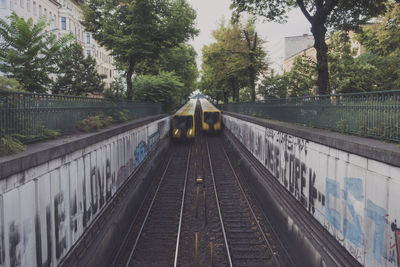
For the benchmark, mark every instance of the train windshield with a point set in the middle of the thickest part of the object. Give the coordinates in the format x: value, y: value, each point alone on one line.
x: 183, y: 122
x: 211, y: 117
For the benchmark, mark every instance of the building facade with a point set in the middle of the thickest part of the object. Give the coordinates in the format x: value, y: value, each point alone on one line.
x: 64, y: 17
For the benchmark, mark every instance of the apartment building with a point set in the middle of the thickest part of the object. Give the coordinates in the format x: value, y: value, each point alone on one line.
x: 64, y: 17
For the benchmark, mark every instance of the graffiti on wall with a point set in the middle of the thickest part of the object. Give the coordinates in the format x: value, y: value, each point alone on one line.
x: 43, y: 218
x: 340, y: 204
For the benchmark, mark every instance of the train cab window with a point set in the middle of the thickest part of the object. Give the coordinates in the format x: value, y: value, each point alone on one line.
x: 211, y: 117
x: 183, y: 122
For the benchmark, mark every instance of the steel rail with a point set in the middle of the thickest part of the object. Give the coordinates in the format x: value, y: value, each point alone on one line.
x: 147, y: 214
x: 131, y: 227
x: 218, y: 207
x: 181, y: 215
x: 276, y: 262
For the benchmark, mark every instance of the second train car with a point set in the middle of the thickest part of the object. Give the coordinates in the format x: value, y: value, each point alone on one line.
x: 183, y: 122
x: 211, y: 120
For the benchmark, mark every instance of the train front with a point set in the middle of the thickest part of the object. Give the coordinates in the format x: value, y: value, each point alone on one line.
x: 183, y: 127
x: 212, y: 121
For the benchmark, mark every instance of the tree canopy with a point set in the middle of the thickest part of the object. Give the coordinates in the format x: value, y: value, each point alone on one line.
x: 158, y: 88
x: 234, y: 61
x: 322, y: 14
x: 76, y: 74
x: 28, y: 52
x: 182, y: 61
x: 138, y: 30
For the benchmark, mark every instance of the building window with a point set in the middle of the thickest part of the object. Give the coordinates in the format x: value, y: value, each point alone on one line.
x: 45, y: 13
x: 88, y: 53
x: 28, y: 5
x: 21, y: 3
x: 55, y: 21
x: 40, y: 10
x: 63, y: 23
x: 88, y: 38
x: 34, y: 8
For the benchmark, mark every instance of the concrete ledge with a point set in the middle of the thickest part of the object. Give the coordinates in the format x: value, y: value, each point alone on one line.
x: 369, y: 148
x: 42, y: 152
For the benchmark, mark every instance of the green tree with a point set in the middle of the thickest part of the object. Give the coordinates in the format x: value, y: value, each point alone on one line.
x: 382, y: 59
x: 234, y: 61
x: 182, y: 61
x: 322, y: 14
x: 77, y: 74
x: 158, y: 88
x: 28, y: 52
x: 138, y: 30
x: 383, y: 37
x: 274, y: 86
x: 302, y: 80
x: 117, y: 89
x: 347, y: 74
x: 379, y: 72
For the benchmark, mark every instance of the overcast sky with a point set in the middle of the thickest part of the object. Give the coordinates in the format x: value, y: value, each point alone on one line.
x: 210, y: 13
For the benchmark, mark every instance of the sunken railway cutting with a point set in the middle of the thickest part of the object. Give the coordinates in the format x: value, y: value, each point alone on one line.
x: 198, y: 214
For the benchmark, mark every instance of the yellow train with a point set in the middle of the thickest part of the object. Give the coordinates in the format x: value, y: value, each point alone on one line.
x: 183, y: 122
x: 211, y: 120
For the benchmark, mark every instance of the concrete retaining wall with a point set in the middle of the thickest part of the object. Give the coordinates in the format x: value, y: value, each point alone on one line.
x: 355, y: 197
x: 46, y: 208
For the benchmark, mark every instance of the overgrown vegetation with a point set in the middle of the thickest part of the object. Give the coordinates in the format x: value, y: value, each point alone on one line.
x: 10, y: 145
x: 94, y: 123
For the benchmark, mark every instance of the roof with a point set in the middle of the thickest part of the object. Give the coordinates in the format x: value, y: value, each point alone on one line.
x: 188, y: 109
x: 207, y: 106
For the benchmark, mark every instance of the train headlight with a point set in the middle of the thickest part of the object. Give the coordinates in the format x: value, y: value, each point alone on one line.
x: 190, y: 131
x: 176, y: 132
x: 206, y: 127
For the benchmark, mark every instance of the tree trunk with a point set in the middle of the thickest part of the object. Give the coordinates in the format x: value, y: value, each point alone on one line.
x: 237, y: 90
x: 319, y: 30
x: 233, y: 83
x: 252, y: 71
x: 226, y: 101
x: 129, y: 73
x: 252, y: 83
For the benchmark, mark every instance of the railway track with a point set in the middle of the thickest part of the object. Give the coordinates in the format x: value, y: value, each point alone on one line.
x: 245, y: 242
x: 184, y: 222
x: 156, y: 242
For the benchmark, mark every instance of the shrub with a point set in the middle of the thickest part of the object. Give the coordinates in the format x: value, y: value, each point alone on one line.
x: 10, y: 146
x: 94, y: 123
x: 50, y: 134
x: 122, y: 116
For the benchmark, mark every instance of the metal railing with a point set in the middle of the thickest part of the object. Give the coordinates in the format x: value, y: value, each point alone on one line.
x: 28, y: 116
x: 372, y: 114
